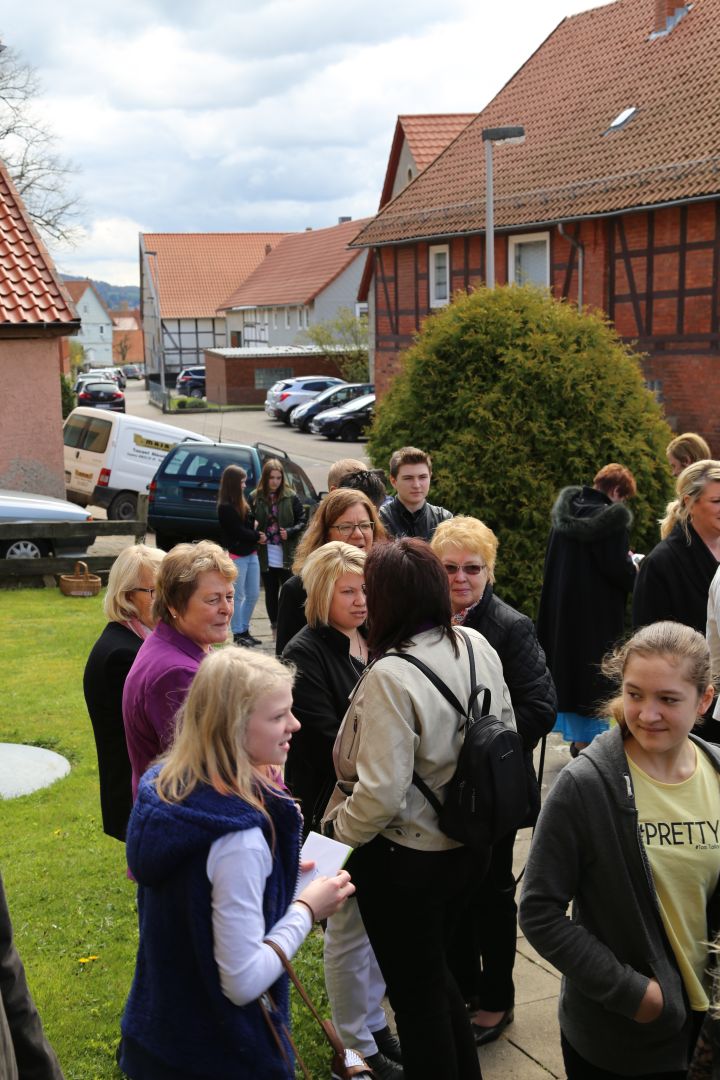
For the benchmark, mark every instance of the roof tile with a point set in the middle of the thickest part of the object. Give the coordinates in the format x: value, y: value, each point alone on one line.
x: 566, y: 95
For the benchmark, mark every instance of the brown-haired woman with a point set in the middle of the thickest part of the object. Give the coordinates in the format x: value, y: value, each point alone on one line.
x: 344, y: 514
x: 240, y: 538
x: 411, y: 877
x: 280, y: 517
x: 629, y: 834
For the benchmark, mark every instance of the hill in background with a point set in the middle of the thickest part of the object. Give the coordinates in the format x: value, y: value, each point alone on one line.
x: 113, y: 295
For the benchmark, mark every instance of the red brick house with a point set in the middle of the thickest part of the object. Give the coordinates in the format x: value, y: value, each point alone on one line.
x: 35, y: 314
x: 616, y: 190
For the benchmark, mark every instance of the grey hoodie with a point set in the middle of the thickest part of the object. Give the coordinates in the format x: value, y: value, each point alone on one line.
x: 587, y: 849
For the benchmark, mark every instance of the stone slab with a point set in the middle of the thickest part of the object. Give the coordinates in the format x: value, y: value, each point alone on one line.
x: 24, y: 769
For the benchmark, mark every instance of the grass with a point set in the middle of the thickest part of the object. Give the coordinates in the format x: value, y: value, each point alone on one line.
x: 72, y: 905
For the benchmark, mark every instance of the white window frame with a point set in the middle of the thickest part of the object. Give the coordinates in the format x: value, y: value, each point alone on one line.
x: 433, y: 252
x: 299, y: 318
x: 274, y: 318
x: 528, y: 238
x: 287, y: 318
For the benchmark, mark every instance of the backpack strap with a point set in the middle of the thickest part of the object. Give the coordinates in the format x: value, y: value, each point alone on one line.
x: 475, y: 688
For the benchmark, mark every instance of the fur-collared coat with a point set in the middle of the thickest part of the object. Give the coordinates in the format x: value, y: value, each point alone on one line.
x: 588, y: 575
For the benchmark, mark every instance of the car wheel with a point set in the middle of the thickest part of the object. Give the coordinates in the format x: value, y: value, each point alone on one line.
x: 123, y: 507
x: 196, y: 392
x: 332, y: 437
x: 349, y: 433
x: 287, y: 416
x: 24, y: 549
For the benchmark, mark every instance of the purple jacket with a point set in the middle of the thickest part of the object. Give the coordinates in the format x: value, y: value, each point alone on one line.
x: 155, y: 688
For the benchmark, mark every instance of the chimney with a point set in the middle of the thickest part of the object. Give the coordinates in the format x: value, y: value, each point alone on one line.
x: 308, y: 228
x: 343, y: 220
x: 664, y: 12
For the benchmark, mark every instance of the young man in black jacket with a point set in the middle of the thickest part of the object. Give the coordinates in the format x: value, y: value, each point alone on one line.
x: 409, y: 513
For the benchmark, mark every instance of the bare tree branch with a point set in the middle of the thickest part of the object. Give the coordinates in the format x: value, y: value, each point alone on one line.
x: 27, y: 147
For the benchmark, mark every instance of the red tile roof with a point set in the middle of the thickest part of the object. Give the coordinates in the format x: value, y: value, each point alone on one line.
x: 197, y: 271
x: 300, y: 267
x: 31, y: 292
x: 428, y: 135
x: 566, y: 96
x: 77, y: 290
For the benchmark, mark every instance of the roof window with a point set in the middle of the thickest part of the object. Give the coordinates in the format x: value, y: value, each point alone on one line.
x: 622, y: 118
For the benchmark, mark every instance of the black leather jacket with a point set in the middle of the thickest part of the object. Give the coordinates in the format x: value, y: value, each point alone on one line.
x: 399, y: 521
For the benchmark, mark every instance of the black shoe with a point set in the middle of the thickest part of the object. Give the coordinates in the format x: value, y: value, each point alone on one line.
x: 384, y: 1068
x: 245, y: 640
x: 485, y: 1035
x: 388, y: 1044
x: 253, y: 640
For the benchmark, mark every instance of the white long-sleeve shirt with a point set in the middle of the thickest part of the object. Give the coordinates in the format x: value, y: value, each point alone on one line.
x: 238, y: 867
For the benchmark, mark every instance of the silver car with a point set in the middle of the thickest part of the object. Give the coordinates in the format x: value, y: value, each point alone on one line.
x: 21, y: 508
x: 284, y: 397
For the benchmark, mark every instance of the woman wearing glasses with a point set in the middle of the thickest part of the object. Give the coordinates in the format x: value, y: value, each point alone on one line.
x: 483, y: 955
x: 345, y: 515
x: 128, y: 606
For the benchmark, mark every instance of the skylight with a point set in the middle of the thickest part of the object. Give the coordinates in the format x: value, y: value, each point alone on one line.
x: 622, y: 118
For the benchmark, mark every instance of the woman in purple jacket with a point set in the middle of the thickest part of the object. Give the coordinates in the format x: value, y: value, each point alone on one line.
x: 193, y: 604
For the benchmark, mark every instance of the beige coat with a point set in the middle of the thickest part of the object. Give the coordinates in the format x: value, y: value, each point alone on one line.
x: 397, y: 722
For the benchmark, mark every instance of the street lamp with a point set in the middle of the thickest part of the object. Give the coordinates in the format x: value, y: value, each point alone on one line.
x: 490, y: 136
x: 154, y: 255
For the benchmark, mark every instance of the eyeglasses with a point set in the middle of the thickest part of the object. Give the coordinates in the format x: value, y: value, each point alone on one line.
x: 471, y: 569
x: 347, y: 529
x: 150, y: 592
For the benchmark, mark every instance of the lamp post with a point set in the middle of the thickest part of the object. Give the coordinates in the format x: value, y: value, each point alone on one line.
x: 490, y: 136
x: 154, y: 255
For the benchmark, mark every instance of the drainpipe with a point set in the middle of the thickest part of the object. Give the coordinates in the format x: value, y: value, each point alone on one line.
x: 580, y: 248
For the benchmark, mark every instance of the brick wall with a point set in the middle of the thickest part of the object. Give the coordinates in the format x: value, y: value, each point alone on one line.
x: 231, y: 380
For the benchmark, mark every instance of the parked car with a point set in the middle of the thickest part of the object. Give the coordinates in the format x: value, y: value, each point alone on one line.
x: 132, y: 371
x: 332, y: 398
x: 110, y: 459
x: 282, y: 404
x: 22, y: 508
x: 117, y: 374
x: 191, y: 382
x: 182, y: 500
x: 102, y: 395
x: 348, y: 422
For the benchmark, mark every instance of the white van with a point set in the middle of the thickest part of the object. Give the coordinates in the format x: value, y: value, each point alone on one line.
x: 111, y: 457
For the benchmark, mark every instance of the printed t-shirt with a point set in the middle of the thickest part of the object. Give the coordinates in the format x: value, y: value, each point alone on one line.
x: 680, y: 830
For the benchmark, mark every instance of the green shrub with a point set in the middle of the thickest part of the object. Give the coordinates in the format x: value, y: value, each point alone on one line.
x: 517, y: 395
x: 67, y: 398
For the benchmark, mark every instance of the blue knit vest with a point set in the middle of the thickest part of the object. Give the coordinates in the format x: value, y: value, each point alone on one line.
x: 178, y: 1024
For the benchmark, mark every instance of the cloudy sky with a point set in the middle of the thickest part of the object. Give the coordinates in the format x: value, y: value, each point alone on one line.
x: 203, y: 115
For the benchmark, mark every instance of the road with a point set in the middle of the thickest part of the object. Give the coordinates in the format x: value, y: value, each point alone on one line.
x: 312, y: 452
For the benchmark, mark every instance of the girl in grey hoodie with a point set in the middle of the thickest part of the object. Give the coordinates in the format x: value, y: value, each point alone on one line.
x: 630, y: 834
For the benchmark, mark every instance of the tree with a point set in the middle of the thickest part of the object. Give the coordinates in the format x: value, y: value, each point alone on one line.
x: 122, y: 348
x: 27, y: 148
x: 345, y: 337
x: 517, y: 395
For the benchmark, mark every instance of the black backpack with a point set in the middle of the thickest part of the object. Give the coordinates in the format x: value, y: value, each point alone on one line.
x: 487, y: 796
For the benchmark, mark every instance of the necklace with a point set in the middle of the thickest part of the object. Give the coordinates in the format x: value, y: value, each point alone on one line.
x: 358, y: 660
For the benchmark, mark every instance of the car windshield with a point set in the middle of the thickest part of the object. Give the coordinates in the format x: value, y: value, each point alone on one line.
x: 100, y: 387
x: 357, y: 403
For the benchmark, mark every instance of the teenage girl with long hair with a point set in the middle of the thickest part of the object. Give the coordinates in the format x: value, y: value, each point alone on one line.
x: 280, y: 517
x: 214, y: 844
x: 629, y: 834
x: 240, y: 538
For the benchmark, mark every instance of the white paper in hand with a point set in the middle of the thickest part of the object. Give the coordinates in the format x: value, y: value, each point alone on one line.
x: 328, y: 855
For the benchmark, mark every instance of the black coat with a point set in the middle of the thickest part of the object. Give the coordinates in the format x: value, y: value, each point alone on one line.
x: 108, y: 665
x: 326, y: 676
x: 674, y: 580
x: 588, y: 574
x: 237, y: 533
x: 291, y: 612
x: 399, y: 521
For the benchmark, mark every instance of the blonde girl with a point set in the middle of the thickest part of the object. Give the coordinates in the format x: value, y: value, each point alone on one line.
x: 631, y: 834
x: 214, y: 842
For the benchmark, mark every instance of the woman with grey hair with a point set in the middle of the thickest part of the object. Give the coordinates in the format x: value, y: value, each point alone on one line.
x: 128, y: 607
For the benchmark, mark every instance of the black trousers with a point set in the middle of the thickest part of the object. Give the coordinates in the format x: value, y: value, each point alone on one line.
x: 482, y: 951
x: 409, y: 900
x: 273, y: 578
x: 577, y: 1068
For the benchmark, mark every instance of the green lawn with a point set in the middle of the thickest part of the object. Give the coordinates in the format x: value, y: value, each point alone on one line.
x: 72, y: 905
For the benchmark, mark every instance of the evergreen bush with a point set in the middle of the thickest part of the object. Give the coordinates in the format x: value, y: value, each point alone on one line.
x: 516, y: 395
x: 67, y: 398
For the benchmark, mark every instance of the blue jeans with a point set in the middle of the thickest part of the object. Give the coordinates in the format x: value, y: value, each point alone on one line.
x: 247, y: 590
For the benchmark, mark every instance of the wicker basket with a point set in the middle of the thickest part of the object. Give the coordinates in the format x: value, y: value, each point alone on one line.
x: 80, y: 584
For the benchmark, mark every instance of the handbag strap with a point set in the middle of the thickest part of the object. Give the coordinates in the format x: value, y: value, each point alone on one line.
x: 327, y: 1028
x: 262, y: 1002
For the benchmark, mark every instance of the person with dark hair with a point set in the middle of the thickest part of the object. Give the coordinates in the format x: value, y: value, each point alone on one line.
x: 280, y: 517
x: 345, y: 515
x: 409, y: 513
x: 24, y: 1049
x: 240, y: 539
x: 588, y: 574
x: 411, y: 878
x: 370, y: 481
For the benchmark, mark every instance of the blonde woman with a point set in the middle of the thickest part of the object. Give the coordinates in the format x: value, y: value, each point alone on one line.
x: 128, y: 606
x: 674, y: 579
x: 213, y: 843
x: 684, y: 449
